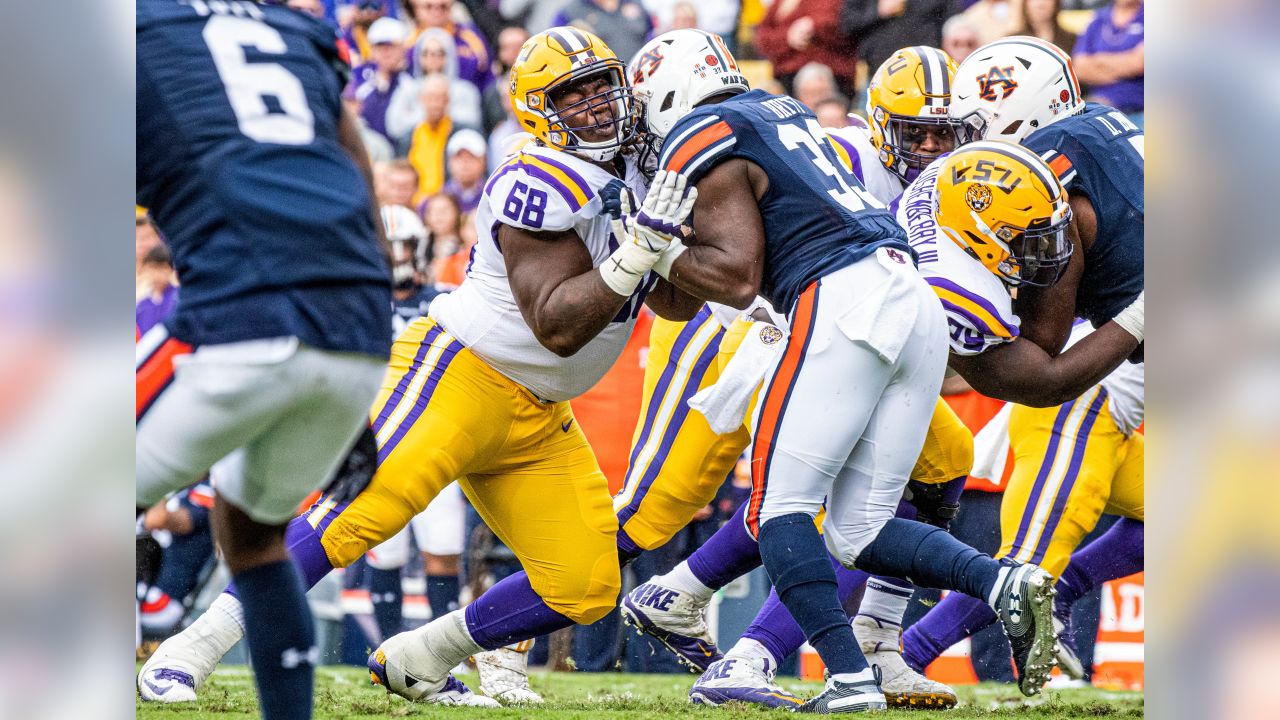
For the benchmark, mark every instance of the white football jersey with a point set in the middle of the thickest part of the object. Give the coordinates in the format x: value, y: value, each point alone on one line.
x: 853, y: 145
x: 1125, y: 386
x: 538, y: 189
x: 977, y: 303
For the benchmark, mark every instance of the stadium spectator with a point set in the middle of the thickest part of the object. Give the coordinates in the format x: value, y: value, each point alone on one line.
x: 502, y: 140
x: 183, y: 521
x: 158, y: 288
x: 795, y: 33
x: 717, y: 16
x: 814, y: 83
x: 959, y: 38
x: 315, y: 8
x: 443, y: 218
x: 832, y: 111
x: 1041, y: 20
x: 883, y: 26
x: 510, y: 40
x: 378, y: 147
x: 534, y: 15
x: 471, y: 48
x: 467, y: 154
x: 994, y: 19
x: 428, y: 141
x: 355, y: 34
x: 434, y: 53
x: 145, y: 237
x: 623, y: 25
x: 395, y: 183
x: 378, y: 91
x: 1109, y: 57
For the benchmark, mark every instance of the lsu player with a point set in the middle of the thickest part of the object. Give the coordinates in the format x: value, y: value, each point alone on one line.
x: 285, y: 292
x: 478, y: 391
x: 1082, y: 456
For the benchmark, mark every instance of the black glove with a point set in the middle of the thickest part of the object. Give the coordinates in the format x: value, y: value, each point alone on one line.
x: 356, y: 470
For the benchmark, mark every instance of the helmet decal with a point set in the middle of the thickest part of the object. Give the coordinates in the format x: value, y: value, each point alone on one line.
x: 996, y: 80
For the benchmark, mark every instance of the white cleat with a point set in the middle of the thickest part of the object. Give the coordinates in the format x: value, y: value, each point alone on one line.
x: 676, y: 619
x: 743, y: 679
x: 416, y: 665
x: 180, y: 665
x: 902, y: 686
x: 504, y: 674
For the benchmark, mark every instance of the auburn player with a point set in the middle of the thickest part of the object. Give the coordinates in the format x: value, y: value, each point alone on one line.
x: 255, y: 174
x: 478, y: 390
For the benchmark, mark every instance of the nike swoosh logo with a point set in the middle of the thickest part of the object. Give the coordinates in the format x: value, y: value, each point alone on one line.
x: 156, y: 688
x: 565, y: 427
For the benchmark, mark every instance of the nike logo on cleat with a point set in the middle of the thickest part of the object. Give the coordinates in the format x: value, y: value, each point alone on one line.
x: 156, y: 688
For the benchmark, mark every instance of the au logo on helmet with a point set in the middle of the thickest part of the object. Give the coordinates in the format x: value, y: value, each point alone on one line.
x: 978, y: 197
x: 997, y: 83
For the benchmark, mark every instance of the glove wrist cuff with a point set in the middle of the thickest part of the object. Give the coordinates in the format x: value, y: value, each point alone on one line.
x: 625, y: 268
x: 668, y: 256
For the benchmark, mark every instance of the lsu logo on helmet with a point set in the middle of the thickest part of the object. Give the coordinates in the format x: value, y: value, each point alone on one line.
x: 997, y: 83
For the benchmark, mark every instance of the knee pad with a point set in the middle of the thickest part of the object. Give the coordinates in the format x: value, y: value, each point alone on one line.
x: 936, y: 503
x: 585, y: 597
x: 847, y: 543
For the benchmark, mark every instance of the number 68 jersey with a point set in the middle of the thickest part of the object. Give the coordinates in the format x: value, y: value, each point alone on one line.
x: 539, y: 189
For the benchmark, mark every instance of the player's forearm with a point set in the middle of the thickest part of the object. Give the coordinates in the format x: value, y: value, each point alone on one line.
x: 573, y: 313
x: 710, y: 273
x: 671, y: 303
x: 1023, y: 373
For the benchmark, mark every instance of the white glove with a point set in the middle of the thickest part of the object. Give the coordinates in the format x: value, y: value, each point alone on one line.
x: 643, y: 237
x: 1132, y: 318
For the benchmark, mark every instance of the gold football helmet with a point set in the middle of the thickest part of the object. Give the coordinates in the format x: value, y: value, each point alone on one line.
x: 1003, y: 205
x: 570, y: 91
x: 907, y: 102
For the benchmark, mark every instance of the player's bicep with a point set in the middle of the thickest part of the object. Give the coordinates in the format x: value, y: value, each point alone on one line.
x: 538, y: 262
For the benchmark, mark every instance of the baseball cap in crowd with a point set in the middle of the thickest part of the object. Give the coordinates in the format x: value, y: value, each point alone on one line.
x: 466, y: 139
x: 387, y: 30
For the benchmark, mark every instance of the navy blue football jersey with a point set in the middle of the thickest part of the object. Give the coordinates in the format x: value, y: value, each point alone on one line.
x: 239, y: 164
x: 1099, y: 154
x: 817, y: 216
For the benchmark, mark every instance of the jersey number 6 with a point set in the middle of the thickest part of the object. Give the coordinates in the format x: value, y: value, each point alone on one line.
x: 248, y: 84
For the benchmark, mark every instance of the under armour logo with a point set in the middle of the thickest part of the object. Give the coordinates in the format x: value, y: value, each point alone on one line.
x: 293, y: 657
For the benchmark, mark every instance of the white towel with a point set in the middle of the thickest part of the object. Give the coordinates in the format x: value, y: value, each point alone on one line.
x: 725, y: 403
x: 883, y: 320
x: 991, y: 447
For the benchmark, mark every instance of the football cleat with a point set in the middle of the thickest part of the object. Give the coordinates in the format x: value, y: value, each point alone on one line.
x: 504, y: 674
x: 741, y: 679
x: 1024, y: 604
x: 676, y: 619
x: 450, y: 691
x: 180, y: 665
x: 1068, y: 658
x: 902, y: 686
x: 166, y: 684
x: 848, y: 697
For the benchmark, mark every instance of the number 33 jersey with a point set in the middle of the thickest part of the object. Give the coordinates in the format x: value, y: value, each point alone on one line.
x: 541, y: 190
x: 817, y: 216
x: 239, y: 164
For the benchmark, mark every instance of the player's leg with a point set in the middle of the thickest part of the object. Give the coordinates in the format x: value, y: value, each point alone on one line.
x: 384, y: 565
x: 440, y: 534
x: 1060, y: 454
x: 549, y: 502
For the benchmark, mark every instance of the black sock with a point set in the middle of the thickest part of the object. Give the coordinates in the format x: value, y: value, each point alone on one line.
x: 387, y: 595
x: 442, y: 594
x: 929, y: 557
x: 798, y: 565
x: 281, y: 639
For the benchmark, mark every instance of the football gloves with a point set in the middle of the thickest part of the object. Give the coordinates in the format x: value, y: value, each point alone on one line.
x: 644, y: 235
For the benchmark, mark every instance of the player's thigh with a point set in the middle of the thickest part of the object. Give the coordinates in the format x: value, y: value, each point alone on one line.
x: 1128, y: 488
x: 1064, y: 462
x: 440, y: 414
x: 677, y: 462
x: 440, y: 529
x: 947, y: 452
x: 220, y: 398
x: 552, y: 508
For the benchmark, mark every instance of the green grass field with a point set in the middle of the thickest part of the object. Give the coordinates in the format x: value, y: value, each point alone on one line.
x: 343, y: 692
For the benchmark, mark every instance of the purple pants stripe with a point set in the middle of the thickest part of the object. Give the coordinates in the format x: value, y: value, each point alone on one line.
x: 424, y: 398
x: 1045, y: 466
x: 1068, y: 482
x: 398, y: 394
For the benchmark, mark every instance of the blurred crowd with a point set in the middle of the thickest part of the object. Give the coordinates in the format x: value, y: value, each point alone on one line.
x: 429, y: 85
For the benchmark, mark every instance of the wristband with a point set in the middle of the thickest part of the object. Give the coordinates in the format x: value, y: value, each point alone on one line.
x: 668, y: 256
x: 1132, y: 318
x: 625, y: 268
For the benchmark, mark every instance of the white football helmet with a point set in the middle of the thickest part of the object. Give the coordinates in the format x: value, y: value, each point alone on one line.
x: 401, y: 223
x: 677, y: 70
x: 1012, y: 87
x: 407, y: 237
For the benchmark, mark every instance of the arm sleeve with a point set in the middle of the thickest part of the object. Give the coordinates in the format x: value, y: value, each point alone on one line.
x: 696, y: 144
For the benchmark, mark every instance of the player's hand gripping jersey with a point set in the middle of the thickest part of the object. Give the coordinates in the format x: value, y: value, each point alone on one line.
x: 1100, y: 154
x: 539, y: 189
x: 808, y: 233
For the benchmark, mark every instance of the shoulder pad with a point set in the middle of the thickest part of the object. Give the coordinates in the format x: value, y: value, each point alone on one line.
x: 697, y: 142
x: 974, y: 322
x: 537, y: 192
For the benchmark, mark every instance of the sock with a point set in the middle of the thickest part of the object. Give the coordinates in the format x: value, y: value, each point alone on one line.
x: 885, y: 600
x: 1118, y: 553
x: 681, y: 578
x: 800, y: 569
x: 511, y: 611
x: 387, y: 594
x: 950, y: 621
x: 442, y: 594
x: 775, y: 630
x: 727, y: 555
x: 928, y: 556
x: 281, y: 639
x: 749, y: 648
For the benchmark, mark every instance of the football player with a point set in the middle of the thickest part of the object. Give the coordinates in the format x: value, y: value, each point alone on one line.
x: 478, y: 391
x: 256, y: 176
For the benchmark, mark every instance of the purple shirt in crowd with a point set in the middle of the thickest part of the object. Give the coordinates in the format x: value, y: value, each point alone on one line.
x: 1102, y: 36
x: 150, y: 312
x: 374, y: 101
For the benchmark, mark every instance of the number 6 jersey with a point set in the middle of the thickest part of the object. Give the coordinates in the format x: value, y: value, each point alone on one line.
x: 539, y: 189
x: 239, y: 164
x: 817, y: 216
